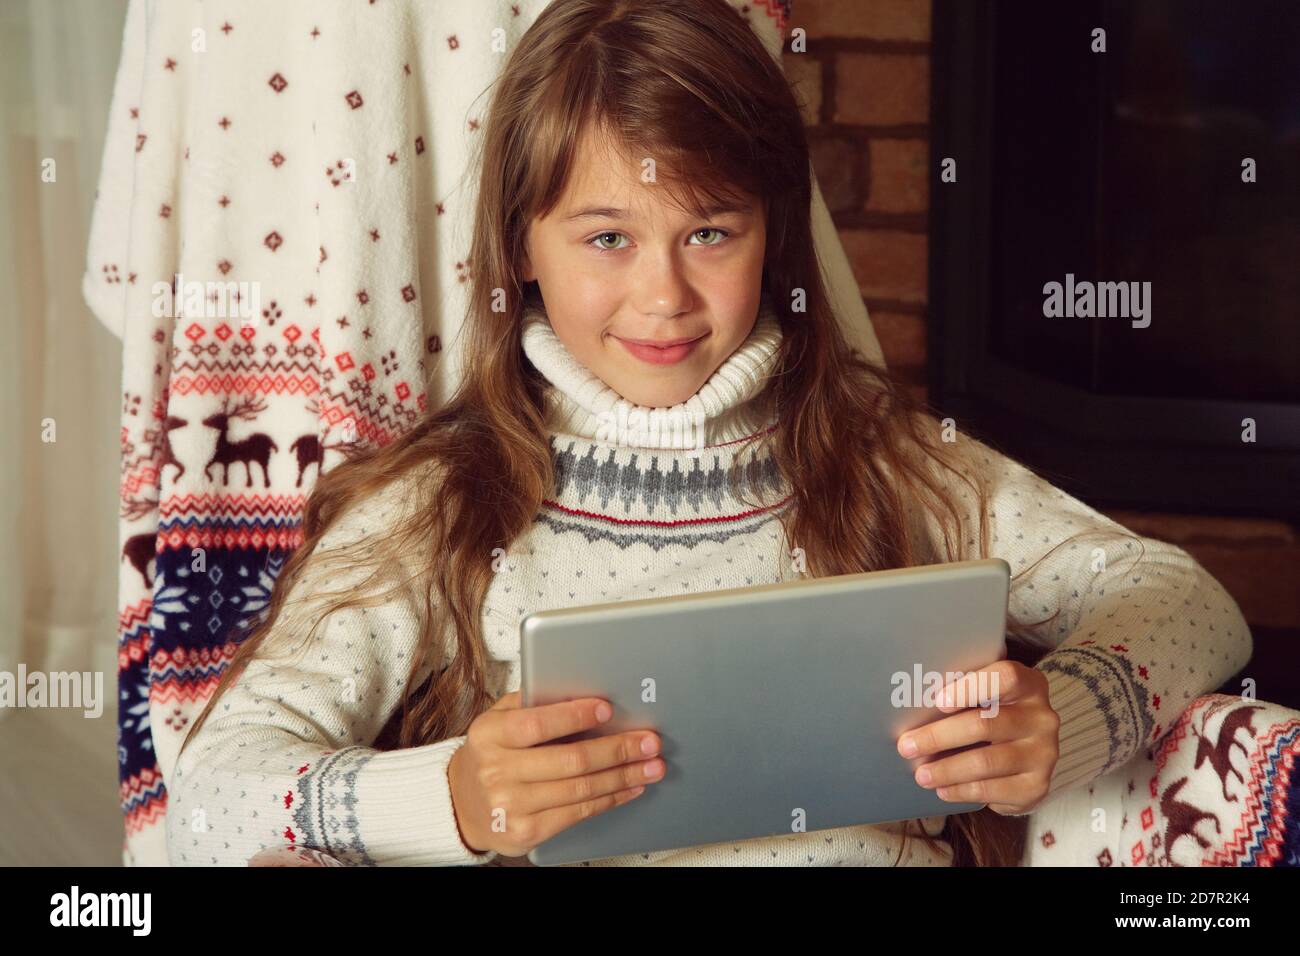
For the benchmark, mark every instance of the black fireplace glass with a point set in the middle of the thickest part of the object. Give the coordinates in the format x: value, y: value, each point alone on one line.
x: 1127, y: 166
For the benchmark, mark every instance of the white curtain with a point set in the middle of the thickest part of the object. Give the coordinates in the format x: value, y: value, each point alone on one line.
x: 59, y: 368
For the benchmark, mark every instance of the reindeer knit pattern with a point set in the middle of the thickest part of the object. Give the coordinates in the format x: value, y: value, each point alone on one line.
x: 286, y: 760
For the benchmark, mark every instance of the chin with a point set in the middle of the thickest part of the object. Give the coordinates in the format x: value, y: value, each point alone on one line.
x: 660, y: 398
x: 651, y: 394
x: 653, y: 400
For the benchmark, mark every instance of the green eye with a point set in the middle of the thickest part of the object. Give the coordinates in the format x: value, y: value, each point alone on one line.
x: 603, y: 235
x: 718, y: 232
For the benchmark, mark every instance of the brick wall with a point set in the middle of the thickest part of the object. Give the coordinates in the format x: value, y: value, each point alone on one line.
x: 864, y: 84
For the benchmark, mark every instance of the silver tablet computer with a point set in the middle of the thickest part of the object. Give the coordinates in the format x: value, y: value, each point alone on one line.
x: 772, y: 702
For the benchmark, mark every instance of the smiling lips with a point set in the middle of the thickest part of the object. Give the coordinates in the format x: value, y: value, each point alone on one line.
x: 668, y: 352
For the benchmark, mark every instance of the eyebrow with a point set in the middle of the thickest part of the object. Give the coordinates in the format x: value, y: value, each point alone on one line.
x: 610, y: 212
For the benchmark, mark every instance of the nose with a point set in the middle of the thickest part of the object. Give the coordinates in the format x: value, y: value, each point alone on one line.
x: 662, y: 288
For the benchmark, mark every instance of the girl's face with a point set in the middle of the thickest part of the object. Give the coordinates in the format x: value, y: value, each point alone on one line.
x: 647, y: 297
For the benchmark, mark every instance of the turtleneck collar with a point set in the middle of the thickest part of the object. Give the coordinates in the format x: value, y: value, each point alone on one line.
x: 724, y: 409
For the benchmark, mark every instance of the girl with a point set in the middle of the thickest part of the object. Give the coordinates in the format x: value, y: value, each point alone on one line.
x: 657, y: 399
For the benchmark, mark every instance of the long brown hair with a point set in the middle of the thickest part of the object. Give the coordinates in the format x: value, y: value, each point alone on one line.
x: 689, y: 83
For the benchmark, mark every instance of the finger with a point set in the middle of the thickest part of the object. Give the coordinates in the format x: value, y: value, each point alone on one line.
x: 528, y: 726
x: 958, y: 730
x: 509, y: 701
x: 550, y: 794
x: 550, y: 822
x: 1000, y: 682
x: 1018, y: 790
x: 978, y: 763
x: 565, y: 761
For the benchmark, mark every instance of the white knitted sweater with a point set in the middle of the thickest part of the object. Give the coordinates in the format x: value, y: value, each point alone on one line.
x: 287, y: 758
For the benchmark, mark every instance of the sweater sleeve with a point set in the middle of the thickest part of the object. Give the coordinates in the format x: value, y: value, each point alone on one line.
x: 285, y: 757
x: 1142, y: 627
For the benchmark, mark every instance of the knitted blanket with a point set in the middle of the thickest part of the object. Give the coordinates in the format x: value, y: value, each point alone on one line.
x: 1219, y: 789
x: 279, y: 238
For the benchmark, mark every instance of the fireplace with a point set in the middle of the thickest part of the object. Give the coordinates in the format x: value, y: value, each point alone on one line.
x: 1115, y: 271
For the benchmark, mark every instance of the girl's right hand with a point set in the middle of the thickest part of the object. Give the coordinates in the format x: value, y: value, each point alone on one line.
x: 502, y: 772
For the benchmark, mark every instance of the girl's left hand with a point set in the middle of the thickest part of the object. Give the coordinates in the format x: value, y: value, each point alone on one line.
x: 1013, y: 772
